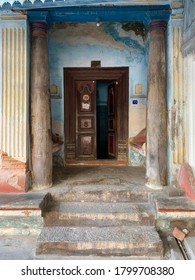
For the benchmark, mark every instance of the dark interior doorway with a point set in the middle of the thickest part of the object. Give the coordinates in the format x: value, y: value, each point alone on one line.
x: 106, y: 109
x: 102, y: 119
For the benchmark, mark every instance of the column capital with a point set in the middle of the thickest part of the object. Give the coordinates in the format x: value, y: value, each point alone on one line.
x: 39, y: 16
x: 39, y: 29
x: 157, y: 25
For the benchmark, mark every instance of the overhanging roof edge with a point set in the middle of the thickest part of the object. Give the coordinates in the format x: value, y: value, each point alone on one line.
x: 38, y: 4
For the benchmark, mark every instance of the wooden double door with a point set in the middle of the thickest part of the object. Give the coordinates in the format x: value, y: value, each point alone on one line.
x: 81, y: 116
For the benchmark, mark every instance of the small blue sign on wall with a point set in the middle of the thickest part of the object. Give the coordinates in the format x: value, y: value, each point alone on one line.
x: 135, y: 102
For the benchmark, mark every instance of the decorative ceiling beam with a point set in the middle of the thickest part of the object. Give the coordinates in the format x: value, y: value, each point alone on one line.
x: 144, y: 14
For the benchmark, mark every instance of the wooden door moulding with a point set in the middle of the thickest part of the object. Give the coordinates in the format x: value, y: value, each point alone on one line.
x: 119, y: 74
x: 85, y: 119
x: 113, y: 162
x: 112, y: 121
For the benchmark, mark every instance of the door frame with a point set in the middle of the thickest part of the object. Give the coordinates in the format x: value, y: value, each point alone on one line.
x: 120, y: 74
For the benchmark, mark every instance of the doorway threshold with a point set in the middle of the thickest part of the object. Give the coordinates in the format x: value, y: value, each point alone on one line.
x: 97, y: 162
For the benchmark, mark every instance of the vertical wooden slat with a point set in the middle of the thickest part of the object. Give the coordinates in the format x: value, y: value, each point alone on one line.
x: 15, y: 91
x: 11, y: 93
x: 2, y: 136
x: 17, y: 94
x: 180, y: 99
x: 23, y: 88
x: 175, y: 88
x: 24, y: 106
x: 8, y: 90
x: 178, y: 153
x: 179, y: 65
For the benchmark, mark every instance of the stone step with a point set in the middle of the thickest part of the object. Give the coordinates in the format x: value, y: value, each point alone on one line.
x: 173, y: 208
x: 99, y: 214
x: 99, y: 193
x: 22, y: 213
x: 100, y: 241
x: 21, y: 225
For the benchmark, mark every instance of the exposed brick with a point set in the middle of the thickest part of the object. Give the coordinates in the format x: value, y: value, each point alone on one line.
x: 179, y: 234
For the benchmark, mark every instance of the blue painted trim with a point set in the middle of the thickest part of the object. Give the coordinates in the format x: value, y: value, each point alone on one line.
x: 26, y: 4
x: 41, y: 16
x: 145, y: 14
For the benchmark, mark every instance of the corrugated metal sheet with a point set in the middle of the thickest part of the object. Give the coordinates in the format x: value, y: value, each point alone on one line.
x: 13, y: 121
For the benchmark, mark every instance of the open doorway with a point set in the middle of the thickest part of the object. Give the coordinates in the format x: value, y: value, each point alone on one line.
x: 106, y: 115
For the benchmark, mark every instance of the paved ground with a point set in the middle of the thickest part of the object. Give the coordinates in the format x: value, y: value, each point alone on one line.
x: 78, y: 175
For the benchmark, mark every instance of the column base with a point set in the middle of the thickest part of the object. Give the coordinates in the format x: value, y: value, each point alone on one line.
x: 41, y: 187
x: 154, y: 187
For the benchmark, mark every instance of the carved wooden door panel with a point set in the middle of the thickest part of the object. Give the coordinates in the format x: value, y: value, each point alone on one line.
x: 112, y: 121
x: 85, y: 119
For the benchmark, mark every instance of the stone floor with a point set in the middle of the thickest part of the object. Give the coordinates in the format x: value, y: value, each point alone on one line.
x: 100, y: 174
x: 23, y: 246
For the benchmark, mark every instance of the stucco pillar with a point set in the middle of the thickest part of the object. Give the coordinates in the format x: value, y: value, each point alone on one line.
x: 41, y: 141
x: 156, y: 108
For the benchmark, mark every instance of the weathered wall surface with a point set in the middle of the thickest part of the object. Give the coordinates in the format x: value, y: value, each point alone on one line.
x: 115, y: 45
x: 188, y: 50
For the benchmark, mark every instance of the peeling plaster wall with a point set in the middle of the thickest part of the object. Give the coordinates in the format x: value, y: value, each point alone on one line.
x: 188, y: 50
x: 77, y: 44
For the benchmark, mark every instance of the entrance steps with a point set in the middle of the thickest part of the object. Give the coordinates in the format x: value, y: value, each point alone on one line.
x: 103, y: 193
x: 102, y: 241
x: 101, y: 221
x: 100, y: 214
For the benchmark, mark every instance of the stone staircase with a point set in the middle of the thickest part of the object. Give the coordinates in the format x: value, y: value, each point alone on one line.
x: 101, y: 221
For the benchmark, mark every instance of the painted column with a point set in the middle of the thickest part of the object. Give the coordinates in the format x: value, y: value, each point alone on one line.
x: 156, y: 108
x: 41, y: 141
